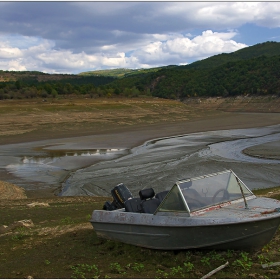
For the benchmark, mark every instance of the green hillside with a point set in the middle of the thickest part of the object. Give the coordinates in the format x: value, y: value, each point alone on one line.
x: 120, y: 72
x: 123, y: 72
x: 266, y: 49
x: 32, y: 84
x: 253, y: 70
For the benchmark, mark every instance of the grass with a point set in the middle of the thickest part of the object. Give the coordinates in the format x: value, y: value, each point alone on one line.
x: 63, y: 244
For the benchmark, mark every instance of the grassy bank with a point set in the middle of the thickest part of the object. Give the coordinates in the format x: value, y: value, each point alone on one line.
x: 62, y: 244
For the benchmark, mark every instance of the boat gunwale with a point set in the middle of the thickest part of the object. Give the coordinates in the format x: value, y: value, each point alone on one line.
x: 214, y: 220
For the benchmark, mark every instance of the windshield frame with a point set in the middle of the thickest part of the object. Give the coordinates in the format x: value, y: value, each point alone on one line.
x: 197, y: 194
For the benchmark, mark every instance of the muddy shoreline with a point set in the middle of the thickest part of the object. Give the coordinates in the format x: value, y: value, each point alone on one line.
x: 110, y: 136
x: 269, y: 150
x: 124, y: 140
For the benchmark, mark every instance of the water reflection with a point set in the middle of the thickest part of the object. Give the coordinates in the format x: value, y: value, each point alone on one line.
x: 54, y: 155
x: 54, y: 165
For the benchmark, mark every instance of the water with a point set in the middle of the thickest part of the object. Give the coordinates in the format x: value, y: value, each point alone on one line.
x: 76, y: 165
x: 232, y: 150
x: 160, y: 162
x: 52, y: 167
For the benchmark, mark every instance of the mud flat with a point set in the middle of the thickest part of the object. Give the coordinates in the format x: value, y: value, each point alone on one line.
x: 83, y: 166
x: 269, y: 150
x: 89, y: 157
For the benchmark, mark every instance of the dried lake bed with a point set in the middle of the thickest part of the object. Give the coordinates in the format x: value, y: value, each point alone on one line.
x: 84, y: 166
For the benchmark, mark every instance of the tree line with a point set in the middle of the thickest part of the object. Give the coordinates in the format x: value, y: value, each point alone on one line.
x: 253, y: 70
x: 254, y: 76
x: 30, y: 87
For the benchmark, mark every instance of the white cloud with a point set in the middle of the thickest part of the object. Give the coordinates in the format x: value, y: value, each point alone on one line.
x: 173, y: 49
x: 12, y: 65
x: 72, y: 37
x: 181, y: 49
x: 10, y: 52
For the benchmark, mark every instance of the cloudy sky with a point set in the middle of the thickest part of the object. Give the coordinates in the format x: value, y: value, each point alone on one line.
x: 72, y: 37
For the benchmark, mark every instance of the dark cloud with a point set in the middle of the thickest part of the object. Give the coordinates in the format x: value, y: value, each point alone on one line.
x: 78, y: 25
x: 98, y: 33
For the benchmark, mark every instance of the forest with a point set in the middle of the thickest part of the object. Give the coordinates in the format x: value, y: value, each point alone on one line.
x: 252, y: 70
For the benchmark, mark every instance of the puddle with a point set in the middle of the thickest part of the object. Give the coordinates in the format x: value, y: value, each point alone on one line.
x: 52, y: 167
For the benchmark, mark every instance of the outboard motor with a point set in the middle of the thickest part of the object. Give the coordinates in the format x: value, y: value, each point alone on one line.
x: 120, y: 194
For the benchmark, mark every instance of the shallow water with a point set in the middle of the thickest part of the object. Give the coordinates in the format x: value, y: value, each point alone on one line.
x: 82, y: 169
x: 159, y: 163
x: 233, y: 149
x: 52, y: 167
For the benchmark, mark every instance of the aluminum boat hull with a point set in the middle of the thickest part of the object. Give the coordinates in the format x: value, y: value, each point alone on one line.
x: 241, y: 229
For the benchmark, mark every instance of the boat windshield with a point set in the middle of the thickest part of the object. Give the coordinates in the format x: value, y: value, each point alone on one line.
x: 205, y: 191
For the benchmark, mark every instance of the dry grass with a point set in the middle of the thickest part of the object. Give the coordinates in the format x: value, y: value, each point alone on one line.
x: 10, y: 191
x: 63, y: 116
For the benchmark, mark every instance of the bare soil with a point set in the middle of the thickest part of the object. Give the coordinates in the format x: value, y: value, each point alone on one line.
x: 38, y: 119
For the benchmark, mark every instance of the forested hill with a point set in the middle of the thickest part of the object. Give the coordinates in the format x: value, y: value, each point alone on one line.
x: 263, y: 49
x: 253, y: 70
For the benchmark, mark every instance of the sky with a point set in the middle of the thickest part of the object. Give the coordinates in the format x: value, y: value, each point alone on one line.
x: 74, y: 37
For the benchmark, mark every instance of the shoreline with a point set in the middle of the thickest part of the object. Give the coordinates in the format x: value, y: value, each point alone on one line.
x: 136, y: 135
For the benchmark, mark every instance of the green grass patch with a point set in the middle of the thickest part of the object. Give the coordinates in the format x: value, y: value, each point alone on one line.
x: 63, y: 244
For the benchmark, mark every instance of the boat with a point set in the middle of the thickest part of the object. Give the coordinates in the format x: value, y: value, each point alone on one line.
x: 214, y: 211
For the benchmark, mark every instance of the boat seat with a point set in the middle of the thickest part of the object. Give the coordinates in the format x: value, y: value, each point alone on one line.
x: 133, y: 205
x: 145, y: 204
x: 147, y: 193
x: 161, y: 195
x: 150, y: 205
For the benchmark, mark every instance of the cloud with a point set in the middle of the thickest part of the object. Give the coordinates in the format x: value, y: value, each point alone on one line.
x: 173, y: 50
x: 7, y: 52
x: 71, y: 37
x: 12, y: 65
x: 181, y: 49
x: 87, y: 26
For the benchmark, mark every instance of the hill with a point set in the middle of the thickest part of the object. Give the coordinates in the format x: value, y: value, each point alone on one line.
x: 31, y: 84
x: 123, y: 72
x: 254, y: 70
x: 117, y: 73
x: 264, y: 49
x: 35, y: 76
x: 250, y: 71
